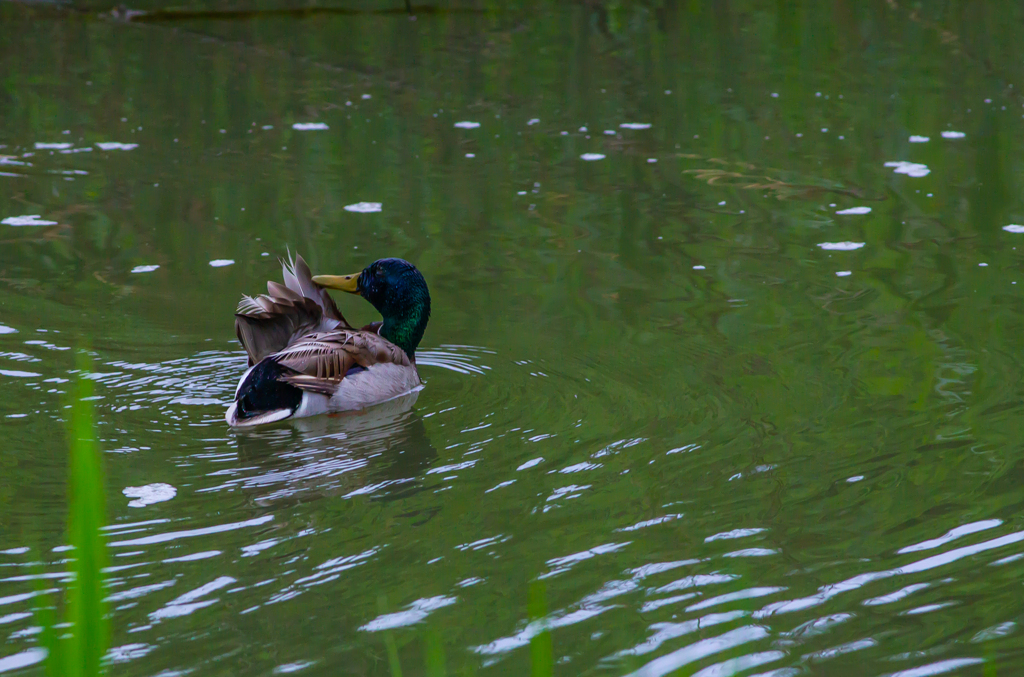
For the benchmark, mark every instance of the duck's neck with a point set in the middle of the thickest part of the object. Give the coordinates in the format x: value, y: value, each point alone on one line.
x: 406, y: 329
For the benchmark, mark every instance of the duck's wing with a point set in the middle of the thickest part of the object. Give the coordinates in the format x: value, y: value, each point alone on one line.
x: 322, y: 359
x: 270, y: 322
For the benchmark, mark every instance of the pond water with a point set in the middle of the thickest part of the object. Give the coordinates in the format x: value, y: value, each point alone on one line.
x: 723, y: 375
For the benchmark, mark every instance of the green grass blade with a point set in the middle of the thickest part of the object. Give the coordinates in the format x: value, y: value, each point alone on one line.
x: 434, y: 654
x: 85, y: 519
x: 541, y: 653
x: 389, y: 641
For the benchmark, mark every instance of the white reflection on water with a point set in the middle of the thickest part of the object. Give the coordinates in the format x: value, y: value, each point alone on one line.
x: 663, y: 632
x: 667, y: 631
x: 840, y: 246
x: 735, y: 666
x: 522, y: 638
x: 651, y: 522
x: 140, y: 591
x: 562, y: 562
x: 326, y: 572
x: 827, y: 592
x: 735, y: 533
x: 995, y: 632
x: 27, y: 220
x: 912, y: 169
x: 13, y: 373
x: 749, y: 593
x: 288, y: 668
x: 186, y: 604
x: 896, y: 596
x: 22, y: 660
x: 849, y: 647
x: 364, y: 207
x: 938, y: 668
x: 460, y: 359
x: 696, y: 581
x: 417, y: 611
x: 927, y: 608
x: 189, y: 533
x: 532, y: 462
x: 752, y: 552
x: 952, y: 535
x: 128, y: 652
x: 816, y: 626
x: 149, y: 494
x: 694, y: 652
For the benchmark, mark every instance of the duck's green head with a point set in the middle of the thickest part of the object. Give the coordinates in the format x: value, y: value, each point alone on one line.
x: 399, y: 293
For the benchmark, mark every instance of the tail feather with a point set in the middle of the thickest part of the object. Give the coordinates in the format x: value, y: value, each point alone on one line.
x: 278, y: 290
x: 299, y: 279
x: 275, y: 326
x: 269, y: 323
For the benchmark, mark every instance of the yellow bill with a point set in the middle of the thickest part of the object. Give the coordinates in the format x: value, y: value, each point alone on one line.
x: 347, y: 283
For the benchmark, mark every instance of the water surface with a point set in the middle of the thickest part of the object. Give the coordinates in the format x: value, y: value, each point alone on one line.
x: 723, y: 375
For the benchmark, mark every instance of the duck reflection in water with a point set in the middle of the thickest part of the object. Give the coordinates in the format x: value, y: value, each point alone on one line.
x: 382, y: 451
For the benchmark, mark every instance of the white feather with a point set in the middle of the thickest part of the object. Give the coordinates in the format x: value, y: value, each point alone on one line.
x: 261, y: 419
x: 288, y: 273
x: 302, y: 285
x: 313, y: 404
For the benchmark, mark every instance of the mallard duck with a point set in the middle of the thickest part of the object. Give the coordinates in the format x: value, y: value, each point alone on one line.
x: 305, y: 359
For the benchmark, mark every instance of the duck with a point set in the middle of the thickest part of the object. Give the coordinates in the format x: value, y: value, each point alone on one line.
x: 305, y: 359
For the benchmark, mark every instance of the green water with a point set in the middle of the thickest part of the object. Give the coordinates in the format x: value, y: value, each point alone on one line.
x: 664, y: 431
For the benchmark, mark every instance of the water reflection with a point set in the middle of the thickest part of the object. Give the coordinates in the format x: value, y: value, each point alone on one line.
x: 753, y: 408
x: 382, y: 452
